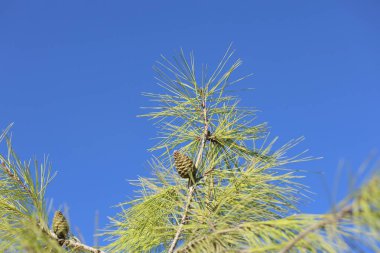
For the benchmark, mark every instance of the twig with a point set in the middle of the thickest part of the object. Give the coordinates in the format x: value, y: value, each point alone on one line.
x: 15, y: 178
x: 336, y: 217
x: 183, y: 220
x: 78, y: 245
x: 192, y: 187
x: 71, y: 243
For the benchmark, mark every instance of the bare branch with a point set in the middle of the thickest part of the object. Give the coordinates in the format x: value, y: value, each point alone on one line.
x: 71, y: 243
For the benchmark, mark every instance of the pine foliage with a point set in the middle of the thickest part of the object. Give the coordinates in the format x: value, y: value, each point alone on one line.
x: 23, y: 213
x: 219, y: 184
x: 247, y: 195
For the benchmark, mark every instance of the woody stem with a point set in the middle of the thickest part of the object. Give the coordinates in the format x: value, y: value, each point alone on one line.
x: 192, y: 187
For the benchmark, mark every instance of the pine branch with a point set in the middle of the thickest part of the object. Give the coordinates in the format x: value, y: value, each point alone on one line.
x: 192, y: 187
x: 183, y: 220
x: 77, y: 245
x: 15, y: 178
x: 357, y: 212
x: 331, y: 220
x: 247, y: 202
x: 71, y: 243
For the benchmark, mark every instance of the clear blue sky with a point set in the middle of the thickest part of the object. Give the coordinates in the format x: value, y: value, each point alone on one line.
x: 71, y: 74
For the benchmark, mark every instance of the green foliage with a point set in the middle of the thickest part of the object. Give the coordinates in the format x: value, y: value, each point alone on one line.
x: 22, y: 204
x: 24, y: 225
x: 246, y: 197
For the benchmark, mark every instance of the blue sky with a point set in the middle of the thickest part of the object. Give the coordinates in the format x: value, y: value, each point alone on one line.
x: 71, y: 74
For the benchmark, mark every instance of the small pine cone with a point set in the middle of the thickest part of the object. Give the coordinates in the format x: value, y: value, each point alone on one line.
x: 60, y: 226
x: 184, y: 165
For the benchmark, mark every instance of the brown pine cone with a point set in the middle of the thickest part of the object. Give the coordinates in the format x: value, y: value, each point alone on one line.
x: 60, y: 226
x: 184, y: 165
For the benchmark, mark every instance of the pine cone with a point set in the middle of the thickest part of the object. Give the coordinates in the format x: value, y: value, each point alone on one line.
x: 60, y: 226
x: 184, y: 165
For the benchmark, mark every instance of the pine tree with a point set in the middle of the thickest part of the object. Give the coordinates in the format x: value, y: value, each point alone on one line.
x: 246, y: 195
x: 219, y: 185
